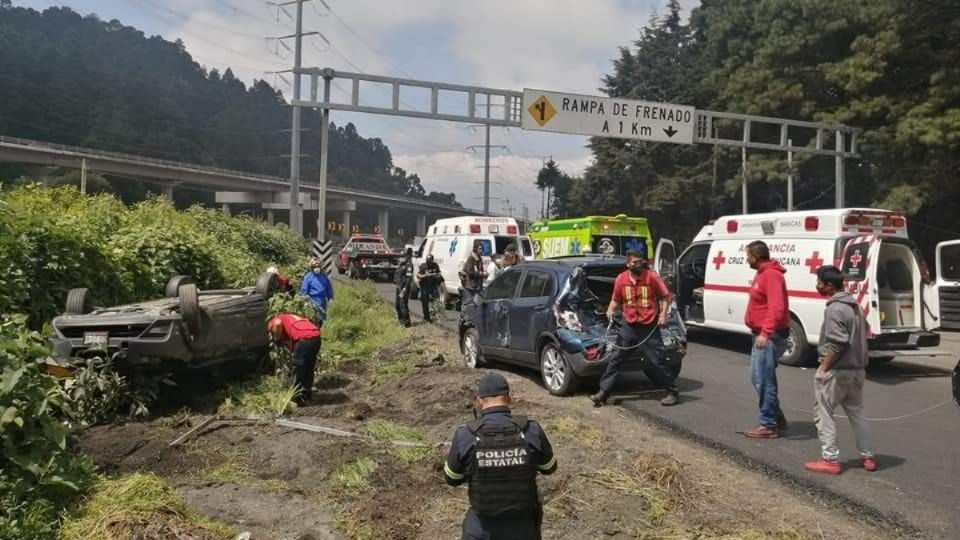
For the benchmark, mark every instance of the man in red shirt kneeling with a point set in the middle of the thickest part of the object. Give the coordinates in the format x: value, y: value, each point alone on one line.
x: 646, y: 305
x: 303, y: 338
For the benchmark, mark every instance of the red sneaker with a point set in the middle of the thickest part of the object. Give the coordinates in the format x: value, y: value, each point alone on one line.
x: 762, y: 432
x: 869, y: 464
x: 823, y: 466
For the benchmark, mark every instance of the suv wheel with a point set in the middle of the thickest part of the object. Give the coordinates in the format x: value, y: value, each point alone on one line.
x: 78, y: 302
x: 267, y: 284
x: 470, y: 345
x: 555, y: 371
x: 189, y: 299
x: 173, y: 286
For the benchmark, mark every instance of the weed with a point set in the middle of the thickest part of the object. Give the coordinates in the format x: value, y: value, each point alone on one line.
x: 392, y: 370
x: 354, y: 476
x: 385, y: 430
x: 117, y: 508
x: 361, y: 324
x: 268, y: 395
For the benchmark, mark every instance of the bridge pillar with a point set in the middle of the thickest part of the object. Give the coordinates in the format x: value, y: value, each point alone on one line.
x: 168, y: 192
x: 270, y: 217
x: 383, y: 219
x: 226, y: 209
x: 422, y: 225
x: 347, y: 231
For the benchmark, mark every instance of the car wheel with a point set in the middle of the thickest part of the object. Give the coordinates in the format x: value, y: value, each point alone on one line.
x: 797, y: 347
x: 78, y: 302
x: 189, y: 300
x: 267, y: 284
x: 470, y: 345
x: 173, y: 286
x: 555, y: 371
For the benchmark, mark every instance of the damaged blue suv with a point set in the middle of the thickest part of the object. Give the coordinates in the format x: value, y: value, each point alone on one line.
x: 550, y: 315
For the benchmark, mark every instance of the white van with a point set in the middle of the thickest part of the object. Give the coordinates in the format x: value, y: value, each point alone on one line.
x: 884, y: 270
x: 450, y: 241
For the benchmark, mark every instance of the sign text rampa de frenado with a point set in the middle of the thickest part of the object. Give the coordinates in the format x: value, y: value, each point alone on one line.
x: 607, y: 117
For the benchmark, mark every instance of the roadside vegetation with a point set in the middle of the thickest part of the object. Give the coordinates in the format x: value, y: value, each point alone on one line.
x: 52, y: 240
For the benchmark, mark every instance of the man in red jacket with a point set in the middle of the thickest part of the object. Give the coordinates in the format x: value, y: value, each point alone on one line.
x: 768, y: 317
x: 303, y: 338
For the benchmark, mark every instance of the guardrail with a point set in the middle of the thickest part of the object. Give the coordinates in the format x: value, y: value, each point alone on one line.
x: 81, y: 151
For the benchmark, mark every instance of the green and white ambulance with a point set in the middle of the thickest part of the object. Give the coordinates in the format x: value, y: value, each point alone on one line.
x: 597, y: 235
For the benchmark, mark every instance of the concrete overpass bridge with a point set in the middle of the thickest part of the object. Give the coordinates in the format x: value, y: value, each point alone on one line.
x: 232, y: 188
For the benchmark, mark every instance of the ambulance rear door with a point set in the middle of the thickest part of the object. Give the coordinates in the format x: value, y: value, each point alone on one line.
x: 944, y: 301
x: 860, y: 274
x: 665, y: 263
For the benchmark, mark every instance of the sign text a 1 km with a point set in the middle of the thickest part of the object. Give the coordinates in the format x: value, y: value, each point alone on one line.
x: 607, y: 117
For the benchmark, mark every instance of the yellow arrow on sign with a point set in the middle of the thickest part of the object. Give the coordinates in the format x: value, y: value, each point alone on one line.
x: 542, y: 110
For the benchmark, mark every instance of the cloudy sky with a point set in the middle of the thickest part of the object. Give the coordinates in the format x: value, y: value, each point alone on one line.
x: 562, y: 45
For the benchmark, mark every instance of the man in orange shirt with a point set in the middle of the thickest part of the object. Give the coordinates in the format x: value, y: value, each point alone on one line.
x: 303, y: 338
x: 646, y: 305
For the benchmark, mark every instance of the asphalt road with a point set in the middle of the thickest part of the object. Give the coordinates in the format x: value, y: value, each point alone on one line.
x: 915, y: 426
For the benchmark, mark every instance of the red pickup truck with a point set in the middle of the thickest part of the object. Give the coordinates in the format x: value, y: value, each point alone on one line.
x: 366, y: 256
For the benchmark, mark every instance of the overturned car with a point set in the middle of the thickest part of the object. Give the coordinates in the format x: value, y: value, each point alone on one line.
x: 188, y: 329
x: 550, y: 315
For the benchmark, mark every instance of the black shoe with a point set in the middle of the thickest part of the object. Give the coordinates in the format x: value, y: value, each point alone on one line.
x: 599, y: 399
x: 671, y: 399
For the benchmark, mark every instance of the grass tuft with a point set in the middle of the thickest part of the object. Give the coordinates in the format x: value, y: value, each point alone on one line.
x: 385, y: 430
x: 567, y: 428
x: 354, y: 476
x: 269, y: 395
x: 360, y: 324
x: 118, y: 508
x: 234, y: 468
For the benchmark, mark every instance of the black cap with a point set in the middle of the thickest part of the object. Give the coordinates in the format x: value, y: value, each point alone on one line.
x: 493, y: 384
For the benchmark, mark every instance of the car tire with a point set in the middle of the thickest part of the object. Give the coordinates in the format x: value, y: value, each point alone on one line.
x: 267, y: 284
x: 470, y: 346
x: 555, y: 372
x: 173, y: 286
x: 188, y: 297
x: 797, y: 347
x: 78, y: 302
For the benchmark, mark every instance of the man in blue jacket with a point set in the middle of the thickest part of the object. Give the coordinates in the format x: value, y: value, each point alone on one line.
x: 317, y: 287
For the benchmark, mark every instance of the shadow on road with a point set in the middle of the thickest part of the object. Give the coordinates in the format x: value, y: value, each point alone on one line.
x: 894, y: 373
x: 799, y: 431
x: 884, y: 461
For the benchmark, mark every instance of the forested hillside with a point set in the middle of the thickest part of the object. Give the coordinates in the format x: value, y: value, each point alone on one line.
x: 890, y: 67
x: 79, y: 80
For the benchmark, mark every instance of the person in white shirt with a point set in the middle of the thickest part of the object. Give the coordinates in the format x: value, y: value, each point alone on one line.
x: 494, y: 267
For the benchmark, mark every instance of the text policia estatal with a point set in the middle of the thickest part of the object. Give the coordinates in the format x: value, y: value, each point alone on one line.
x: 501, y: 458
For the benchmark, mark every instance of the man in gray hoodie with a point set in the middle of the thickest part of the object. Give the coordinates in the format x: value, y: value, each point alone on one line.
x: 839, y: 379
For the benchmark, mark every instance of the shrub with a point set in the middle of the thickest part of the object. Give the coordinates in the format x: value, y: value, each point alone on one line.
x: 39, y: 474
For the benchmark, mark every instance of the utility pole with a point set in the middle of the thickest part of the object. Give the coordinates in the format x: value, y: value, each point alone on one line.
x: 83, y: 176
x: 789, y: 176
x: 486, y: 159
x: 296, y: 214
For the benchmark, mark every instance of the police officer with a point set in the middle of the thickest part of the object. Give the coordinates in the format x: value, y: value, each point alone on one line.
x: 430, y: 279
x: 499, y: 455
x: 404, y: 280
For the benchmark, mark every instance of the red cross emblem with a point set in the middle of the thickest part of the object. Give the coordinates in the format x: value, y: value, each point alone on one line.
x: 719, y: 259
x: 814, y: 262
x: 855, y: 259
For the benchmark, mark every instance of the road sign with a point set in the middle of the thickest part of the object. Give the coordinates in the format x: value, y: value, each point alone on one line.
x: 607, y: 117
x: 324, y: 252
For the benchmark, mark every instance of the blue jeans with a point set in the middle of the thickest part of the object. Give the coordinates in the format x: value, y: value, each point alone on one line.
x: 763, y: 375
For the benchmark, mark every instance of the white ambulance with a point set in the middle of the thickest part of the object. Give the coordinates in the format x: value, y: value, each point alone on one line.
x: 884, y: 271
x: 450, y: 241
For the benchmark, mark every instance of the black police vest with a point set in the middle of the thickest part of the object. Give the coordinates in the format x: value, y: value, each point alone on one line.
x: 503, y: 472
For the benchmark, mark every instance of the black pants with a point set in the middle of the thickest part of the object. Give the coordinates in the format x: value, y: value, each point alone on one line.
x: 304, y: 363
x: 652, y: 350
x: 502, y: 528
x: 403, y: 306
x: 427, y: 293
